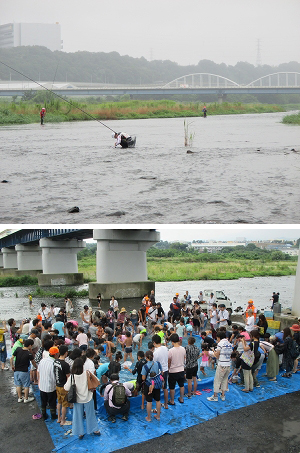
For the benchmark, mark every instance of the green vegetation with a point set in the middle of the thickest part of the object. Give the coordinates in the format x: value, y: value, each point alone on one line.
x: 179, y: 262
x: 292, y: 119
x: 70, y: 292
x: 25, y: 280
x: 24, y: 112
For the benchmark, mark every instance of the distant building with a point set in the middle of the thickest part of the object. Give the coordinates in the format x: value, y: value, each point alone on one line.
x: 21, y: 34
x: 215, y: 246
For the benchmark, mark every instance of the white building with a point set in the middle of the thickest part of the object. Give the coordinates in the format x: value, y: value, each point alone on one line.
x: 21, y: 34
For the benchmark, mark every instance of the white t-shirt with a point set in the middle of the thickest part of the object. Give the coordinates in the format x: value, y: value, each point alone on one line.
x: 114, y: 304
x: 89, y: 365
x: 223, y: 315
x: 152, y: 312
x: 137, y: 338
x: 214, y: 317
x: 161, y: 355
x: 250, y: 323
x: 225, y: 349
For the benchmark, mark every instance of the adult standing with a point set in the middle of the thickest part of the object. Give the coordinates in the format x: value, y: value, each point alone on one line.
x: 192, y: 356
x: 251, y: 306
x: 223, y: 316
x: 223, y: 355
x: 45, y: 313
x: 175, y: 308
x: 249, y: 321
x: 114, y: 305
x: 161, y: 355
x: 213, y: 314
x: 47, y: 383
x: 86, y: 318
x: 19, y: 362
x: 84, y: 402
x: 62, y: 372
x: 275, y: 299
x: 69, y: 307
x: 152, y: 296
x: 152, y: 316
x: 176, y: 362
x: 286, y: 349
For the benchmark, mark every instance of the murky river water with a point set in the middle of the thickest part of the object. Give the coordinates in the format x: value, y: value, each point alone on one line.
x: 239, y: 291
x: 242, y: 170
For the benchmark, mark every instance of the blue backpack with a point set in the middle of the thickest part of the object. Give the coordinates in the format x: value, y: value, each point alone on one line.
x: 157, y: 378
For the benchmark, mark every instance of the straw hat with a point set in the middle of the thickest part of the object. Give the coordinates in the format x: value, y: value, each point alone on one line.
x: 295, y: 328
x: 123, y: 310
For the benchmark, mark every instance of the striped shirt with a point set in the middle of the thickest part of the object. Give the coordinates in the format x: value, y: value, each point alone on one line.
x: 47, y: 382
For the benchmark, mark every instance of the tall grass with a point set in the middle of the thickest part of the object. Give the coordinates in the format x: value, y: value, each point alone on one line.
x: 292, y: 119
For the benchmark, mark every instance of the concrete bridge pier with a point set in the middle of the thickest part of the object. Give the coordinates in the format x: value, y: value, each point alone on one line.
x: 122, y: 263
x: 221, y: 97
x: 59, y: 260
x: 1, y: 260
x: 29, y: 258
x: 296, y: 300
x: 10, y: 263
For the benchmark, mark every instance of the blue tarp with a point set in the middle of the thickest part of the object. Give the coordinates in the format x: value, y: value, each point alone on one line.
x: 194, y: 411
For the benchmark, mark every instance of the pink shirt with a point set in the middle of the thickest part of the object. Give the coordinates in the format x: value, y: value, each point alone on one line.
x: 82, y: 339
x: 177, y: 356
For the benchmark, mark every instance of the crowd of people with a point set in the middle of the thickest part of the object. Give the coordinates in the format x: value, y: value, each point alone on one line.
x: 62, y: 355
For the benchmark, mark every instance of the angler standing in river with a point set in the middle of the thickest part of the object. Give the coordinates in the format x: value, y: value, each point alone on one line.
x: 42, y: 115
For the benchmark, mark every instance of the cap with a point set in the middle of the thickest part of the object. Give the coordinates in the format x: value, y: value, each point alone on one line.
x: 54, y: 350
x: 250, y: 301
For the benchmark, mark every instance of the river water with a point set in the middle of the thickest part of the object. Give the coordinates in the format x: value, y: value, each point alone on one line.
x: 242, y: 171
x: 14, y: 301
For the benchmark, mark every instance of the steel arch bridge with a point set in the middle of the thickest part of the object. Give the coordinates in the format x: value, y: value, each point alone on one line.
x: 201, y: 80
x: 207, y: 80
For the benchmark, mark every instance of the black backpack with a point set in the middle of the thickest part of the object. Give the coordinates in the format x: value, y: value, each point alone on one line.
x: 119, y: 397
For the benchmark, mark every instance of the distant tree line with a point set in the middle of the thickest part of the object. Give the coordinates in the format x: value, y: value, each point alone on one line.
x: 41, y: 64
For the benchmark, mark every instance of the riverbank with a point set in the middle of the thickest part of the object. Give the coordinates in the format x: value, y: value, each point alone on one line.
x: 182, y: 269
x: 26, y: 112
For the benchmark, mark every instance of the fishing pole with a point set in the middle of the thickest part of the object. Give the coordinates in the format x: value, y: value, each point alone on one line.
x: 61, y: 97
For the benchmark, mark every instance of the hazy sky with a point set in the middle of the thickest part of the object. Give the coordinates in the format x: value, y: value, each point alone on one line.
x: 182, y: 31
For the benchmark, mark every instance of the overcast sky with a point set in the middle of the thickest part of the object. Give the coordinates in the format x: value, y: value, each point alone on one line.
x: 182, y: 31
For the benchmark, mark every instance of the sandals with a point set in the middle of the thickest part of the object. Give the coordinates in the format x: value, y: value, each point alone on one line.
x: 164, y: 406
x: 180, y: 401
x: 171, y: 404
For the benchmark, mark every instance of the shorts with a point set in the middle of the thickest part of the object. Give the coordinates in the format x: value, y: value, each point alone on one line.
x: 176, y: 377
x: 128, y: 350
x: 165, y: 376
x: 22, y: 378
x: 83, y: 347
x: 191, y: 372
x: 196, y: 322
x: 62, y: 396
x: 155, y: 395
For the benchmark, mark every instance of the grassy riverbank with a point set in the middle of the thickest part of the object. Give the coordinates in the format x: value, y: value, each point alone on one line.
x: 181, y: 269
x: 292, y: 119
x: 25, y: 112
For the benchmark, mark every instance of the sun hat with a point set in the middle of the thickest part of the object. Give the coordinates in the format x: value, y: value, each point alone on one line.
x: 54, y: 350
x: 295, y: 328
x: 177, y: 294
x: 134, y: 312
x: 250, y: 301
x: 123, y: 310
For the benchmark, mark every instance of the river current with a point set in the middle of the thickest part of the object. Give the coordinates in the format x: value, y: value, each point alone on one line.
x: 242, y: 170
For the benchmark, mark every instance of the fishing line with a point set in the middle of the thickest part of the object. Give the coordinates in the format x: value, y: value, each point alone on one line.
x: 42, y: 86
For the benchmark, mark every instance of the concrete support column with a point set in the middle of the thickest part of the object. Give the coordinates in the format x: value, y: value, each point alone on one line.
x: 9, y: 258
x: 29, y: 257
x: 122, y: 262
x: 59, y: 259
x: 296, y: 300
x: 1, y: 259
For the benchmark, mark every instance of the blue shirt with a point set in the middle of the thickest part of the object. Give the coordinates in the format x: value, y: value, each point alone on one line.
x: 102, y: 369
x: 155, y: 367
x: 59, y: 325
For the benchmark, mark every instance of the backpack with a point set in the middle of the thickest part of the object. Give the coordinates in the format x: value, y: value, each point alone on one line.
x: 294, y: 350
x: 156, y: 378
x: 119, y: 397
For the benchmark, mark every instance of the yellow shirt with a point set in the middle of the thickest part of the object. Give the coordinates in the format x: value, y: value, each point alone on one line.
x: 2, y: 331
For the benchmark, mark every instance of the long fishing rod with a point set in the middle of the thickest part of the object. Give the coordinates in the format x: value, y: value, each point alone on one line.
x: 69, y: 102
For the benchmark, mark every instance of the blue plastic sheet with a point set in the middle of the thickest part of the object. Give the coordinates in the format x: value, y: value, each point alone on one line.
x: 194, y: 411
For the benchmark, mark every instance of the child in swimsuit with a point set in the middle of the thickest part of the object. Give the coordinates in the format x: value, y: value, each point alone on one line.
x: 128, y: 346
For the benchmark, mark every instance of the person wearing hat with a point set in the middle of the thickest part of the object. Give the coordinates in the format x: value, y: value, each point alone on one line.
x: 122, y: 138
x: 296, y: 336
x: 122, y: 315
x: 251, y: 306
x: 47, y: 383
x: 134, y: 318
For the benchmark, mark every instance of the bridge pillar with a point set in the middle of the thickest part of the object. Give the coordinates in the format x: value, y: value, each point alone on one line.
x: 122, y: 263
x: 29, y: 257
x: 1, y: 259
x: 296, y: 300
x: 221, y: 97
x: 9, y: 258
x: 59, y: 259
